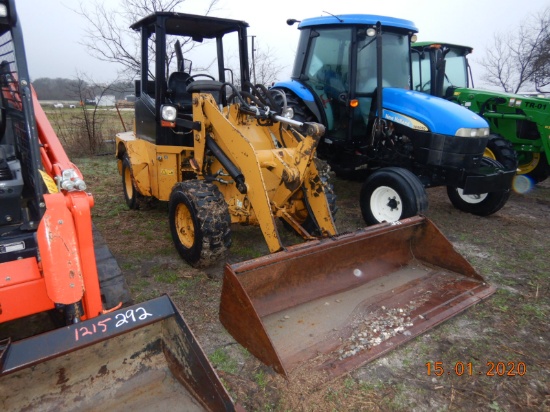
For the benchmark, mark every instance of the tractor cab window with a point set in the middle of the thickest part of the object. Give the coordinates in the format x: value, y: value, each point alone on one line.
x: 327, y: 69
x: 395, y: 72
x: 395, y: 62
x: 456, y: 73
x: 421, y: 71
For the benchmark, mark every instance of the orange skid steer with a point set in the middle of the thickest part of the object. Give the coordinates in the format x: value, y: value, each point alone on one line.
x: 53, y: 263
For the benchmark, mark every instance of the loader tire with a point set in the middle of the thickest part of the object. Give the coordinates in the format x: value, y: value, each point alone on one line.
x: 131, y: 194
x: 391, y: 194
x: 501, y: 150
x: 483, y: 204
x: 199, y: 222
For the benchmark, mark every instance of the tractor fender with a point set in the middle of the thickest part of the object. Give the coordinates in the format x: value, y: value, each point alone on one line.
x: 438, y: 115
x: 304, y: 94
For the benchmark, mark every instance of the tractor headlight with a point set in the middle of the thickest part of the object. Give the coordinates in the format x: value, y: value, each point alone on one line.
x: 472, y: 132
x: 168, y: 113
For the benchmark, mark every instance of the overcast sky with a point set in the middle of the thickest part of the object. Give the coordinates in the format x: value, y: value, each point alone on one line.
x: 52, y: 31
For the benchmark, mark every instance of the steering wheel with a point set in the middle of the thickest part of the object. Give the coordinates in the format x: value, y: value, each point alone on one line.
x: 192, y: 78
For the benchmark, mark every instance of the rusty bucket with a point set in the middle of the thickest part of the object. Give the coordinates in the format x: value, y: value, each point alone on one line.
x: 337, y: 303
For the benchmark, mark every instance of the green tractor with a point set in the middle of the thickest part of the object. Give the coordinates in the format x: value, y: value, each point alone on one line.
x: 520, y: 125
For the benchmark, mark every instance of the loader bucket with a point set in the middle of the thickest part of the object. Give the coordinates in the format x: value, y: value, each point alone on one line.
x: 334, y: 304
x: 143, y: 357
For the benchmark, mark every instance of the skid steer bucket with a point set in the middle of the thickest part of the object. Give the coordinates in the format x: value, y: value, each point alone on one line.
x: 143, y: 357
x: 337, y: 303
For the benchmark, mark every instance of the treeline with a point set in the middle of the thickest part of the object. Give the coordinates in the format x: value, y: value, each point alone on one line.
x: 77, y: 89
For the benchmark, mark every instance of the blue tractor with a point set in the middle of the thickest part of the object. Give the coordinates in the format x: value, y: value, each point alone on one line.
x: 352, y: 73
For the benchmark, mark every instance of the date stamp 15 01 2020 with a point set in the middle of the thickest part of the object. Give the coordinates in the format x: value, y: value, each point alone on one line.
x: 469, y: 369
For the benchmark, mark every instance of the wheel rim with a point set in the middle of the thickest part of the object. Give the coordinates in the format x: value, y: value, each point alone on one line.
x: 184, y: 226
x: 128, y: 185
x: 386, y: 204
x: 489, y: 153
x: 472, y: 199
x: 528, y: 163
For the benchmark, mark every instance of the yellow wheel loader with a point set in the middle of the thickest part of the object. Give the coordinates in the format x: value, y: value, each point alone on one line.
x: 54, y: 265
x: 221, y: 154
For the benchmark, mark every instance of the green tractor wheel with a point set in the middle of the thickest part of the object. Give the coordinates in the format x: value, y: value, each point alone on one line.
x: 535, y: 165
x: 501, y: 150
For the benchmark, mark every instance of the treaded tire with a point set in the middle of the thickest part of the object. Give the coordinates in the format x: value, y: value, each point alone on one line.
x: 199, y: 222
x: 391, y: 194
x: 131, y: 194
x: 486, y: 204
x: 502, y: 151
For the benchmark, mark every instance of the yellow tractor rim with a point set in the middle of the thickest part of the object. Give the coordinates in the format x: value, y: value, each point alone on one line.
x: 128, y: 186
x: 530, y: 165
x: 184, y: 226
x: 489, y: 153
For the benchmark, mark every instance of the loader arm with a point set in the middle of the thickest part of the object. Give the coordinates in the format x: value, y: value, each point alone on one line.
x: 253, y: 148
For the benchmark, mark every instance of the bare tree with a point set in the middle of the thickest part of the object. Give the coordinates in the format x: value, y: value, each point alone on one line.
x: 109, y: 37
x: 520, y: 58
x: 266, y: 65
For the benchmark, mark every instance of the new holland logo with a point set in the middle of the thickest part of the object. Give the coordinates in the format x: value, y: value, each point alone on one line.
x: 167, y: 172
x: 404, y: 120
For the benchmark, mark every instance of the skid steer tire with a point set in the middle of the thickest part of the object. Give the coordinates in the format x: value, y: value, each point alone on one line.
x: 391, y: 194
x: 484, y: 204
x: 199, y: 222
x: 131, y: 194
x: 501, y: 150
x: 114, y: 289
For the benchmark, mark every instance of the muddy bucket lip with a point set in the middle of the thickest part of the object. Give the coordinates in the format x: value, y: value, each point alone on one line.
x: 248, y: 300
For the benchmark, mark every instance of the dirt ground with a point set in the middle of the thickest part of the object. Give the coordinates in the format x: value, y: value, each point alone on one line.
x: 509, y: 249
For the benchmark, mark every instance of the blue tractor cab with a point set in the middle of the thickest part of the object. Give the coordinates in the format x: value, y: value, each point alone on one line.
x: 353, y: 74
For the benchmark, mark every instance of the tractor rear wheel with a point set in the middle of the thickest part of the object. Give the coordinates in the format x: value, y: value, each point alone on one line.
x: 391, y: 194
x: 131, y: 194
x: 199, y: 222
x: 483, y: 204
x: 501, y: 150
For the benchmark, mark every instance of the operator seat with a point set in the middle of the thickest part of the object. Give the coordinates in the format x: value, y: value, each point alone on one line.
x: 177, y: 87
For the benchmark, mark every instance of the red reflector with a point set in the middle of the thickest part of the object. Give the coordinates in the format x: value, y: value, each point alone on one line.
x: 165, y: 123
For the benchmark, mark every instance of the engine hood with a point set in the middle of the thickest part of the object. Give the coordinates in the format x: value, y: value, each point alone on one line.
x: 415, y: 109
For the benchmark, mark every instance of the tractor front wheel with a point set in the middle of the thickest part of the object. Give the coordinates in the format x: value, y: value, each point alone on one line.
x: 199, y: 222
x: 391, y: 194
x: 483, y: 204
